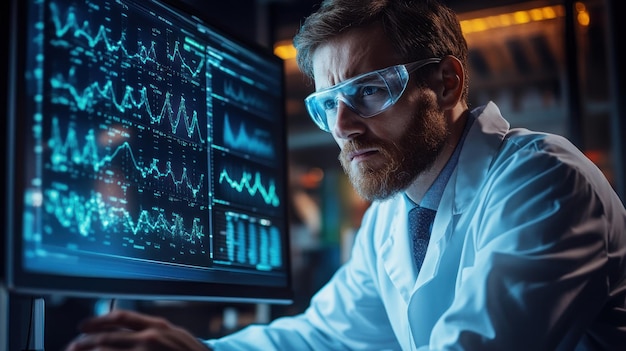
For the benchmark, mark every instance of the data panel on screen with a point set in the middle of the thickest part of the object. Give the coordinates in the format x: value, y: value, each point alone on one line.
x: 151, y: 148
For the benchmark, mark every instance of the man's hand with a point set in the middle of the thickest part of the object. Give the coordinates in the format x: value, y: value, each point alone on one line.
x: 126, y: 330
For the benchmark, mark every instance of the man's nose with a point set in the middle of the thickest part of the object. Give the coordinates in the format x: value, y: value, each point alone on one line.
x: 348, y: 124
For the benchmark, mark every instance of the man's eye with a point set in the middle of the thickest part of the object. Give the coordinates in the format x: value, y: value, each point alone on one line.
x: 329, y: 104
x: 369, y: 90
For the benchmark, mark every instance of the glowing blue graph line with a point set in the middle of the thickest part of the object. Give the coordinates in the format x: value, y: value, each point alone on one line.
x: 244, y: 141
x: 252, y: 186
x: 239, y: 95
x: 69, y: 152
x: 89, y: 96
x: 144, y: 54
x: 75, y: 211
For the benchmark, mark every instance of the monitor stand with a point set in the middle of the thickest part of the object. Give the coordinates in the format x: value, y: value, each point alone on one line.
x: 22, y: 323
x: 4, y: 318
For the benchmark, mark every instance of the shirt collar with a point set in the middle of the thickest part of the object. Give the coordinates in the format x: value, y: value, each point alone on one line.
x: 433, y: 196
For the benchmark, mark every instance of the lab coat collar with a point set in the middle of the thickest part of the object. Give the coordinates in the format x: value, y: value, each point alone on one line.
x: 484, y: 140
x: 482, y: 143
x: 396, y: 254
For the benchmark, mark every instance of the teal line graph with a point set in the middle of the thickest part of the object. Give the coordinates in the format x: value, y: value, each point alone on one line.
x: 82, y: 214
x: 239, y: 94
x: 89, y: 96
x: 242, y: 139
x: 143, y: 54
x: 252, y: 185
x: 66, y: 153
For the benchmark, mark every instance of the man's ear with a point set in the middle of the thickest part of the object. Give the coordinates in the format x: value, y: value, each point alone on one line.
x: 451, y: 79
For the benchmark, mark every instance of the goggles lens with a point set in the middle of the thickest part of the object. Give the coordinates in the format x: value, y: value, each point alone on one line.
x: 367, y: 95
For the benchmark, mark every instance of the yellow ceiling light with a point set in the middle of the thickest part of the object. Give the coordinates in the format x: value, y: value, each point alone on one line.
x: 582, y: 15
x: 285, y: 50
x: 583, y: 19
x: 548, y: 12
x: 513, y: 18
x: 521, y: 17
x: 536, y: 14
x: 505, y: 20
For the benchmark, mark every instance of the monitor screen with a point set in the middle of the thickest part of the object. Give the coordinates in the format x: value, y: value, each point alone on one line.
x: 148, y: 155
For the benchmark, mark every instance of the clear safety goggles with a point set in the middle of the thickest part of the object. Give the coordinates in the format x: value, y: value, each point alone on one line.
x: 367, y: 94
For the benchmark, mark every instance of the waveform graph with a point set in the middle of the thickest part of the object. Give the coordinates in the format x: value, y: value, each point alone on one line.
x: 244, y: 133
x: 116, y: 60
x: 244, y: 183
x: 78, y: 91
x: 103, y: 219
x: 126, y: 34
x: 127, y: 155
x: 247, y: 240
x: 246, y: 93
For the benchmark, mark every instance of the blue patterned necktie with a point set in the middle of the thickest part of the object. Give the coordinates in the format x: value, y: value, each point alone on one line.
x: 420, y: 225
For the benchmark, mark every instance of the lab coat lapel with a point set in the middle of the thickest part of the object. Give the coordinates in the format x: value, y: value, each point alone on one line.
x: 435, y: 286
x: 431, y: 295
x: 442, y: 227
x: 484, y: 140
x: 396, y: 253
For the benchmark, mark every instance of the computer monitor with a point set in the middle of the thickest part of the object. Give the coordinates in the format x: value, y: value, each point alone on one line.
x: 147, y: 151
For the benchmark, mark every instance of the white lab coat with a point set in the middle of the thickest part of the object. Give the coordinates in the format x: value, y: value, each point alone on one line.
x: 528, y: 252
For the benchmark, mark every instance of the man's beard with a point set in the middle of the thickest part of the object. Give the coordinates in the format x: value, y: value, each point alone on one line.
x: 414, y: 153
